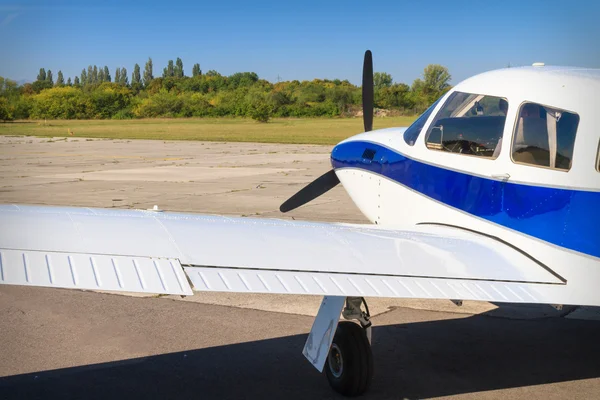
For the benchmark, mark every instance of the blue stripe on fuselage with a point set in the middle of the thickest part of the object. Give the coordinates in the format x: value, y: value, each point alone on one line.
x: 564, y: 217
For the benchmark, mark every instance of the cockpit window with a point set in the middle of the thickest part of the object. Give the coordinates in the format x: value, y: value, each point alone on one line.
x: 544, y: 136
x: 470, y: 124
x: 413, y: 131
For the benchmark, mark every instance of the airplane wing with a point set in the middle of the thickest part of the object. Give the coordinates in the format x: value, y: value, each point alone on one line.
x: 172, y: 253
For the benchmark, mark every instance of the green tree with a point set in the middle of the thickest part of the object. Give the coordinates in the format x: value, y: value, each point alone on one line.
x: 179, y: 68
x: 90, y: 76
x: 5, y: 112
x: 169, y: 70
x: 38, y: 86
x: 106, y: 74
x: 258, y: 105
x: 196, y: 70
x: 136, y: 79
x: 148, y: 72
x: 435, y: 82
x: 41, y: 75
x: 76, y: 81
x: 95, y: 76
x: 49, y: 78
x: 436, y: 78
x: 395, y: 96
x: 123, y: 80
x: 69, y: 82
x: 60, y: 79
x: 100, y: 75
x: 84, y: 77
x: 118, y: 75
x: 381, y: 80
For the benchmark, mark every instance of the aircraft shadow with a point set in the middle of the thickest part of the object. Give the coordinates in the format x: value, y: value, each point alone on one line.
x: 415, y: 360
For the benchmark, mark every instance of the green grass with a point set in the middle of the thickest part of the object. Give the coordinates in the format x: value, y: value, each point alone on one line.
x: 278, y: 130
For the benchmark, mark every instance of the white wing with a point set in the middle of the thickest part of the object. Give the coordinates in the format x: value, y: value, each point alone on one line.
x: 148, y: 251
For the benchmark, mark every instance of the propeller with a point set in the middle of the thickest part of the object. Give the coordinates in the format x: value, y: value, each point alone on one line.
x: 367, y: 91
x: 329, y: 180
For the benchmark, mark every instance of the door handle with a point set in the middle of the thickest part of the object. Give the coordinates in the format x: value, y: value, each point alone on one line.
x: 501, y: 177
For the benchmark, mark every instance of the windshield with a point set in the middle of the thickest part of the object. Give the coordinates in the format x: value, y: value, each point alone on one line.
x: 413, y: 131
x: 470, y: 124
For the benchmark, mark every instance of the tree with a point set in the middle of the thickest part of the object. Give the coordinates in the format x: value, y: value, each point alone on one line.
x: 100, y: 75
x: 49, y: 78
x: 42, y: 75
x: 148, y: 72
x: 95, y: 77
x: 69, y: 83
x: 84, y: 78
x: 179, y: 68
x: 106, y: 74
x: 5, y: 113
x: 90, y: 76
x: 123, y: 80
x: 196, y: 70
x: 136, y: 79
x: 118, y: 75
x: 76, y: 81
x: 169, y: 70
x: 436, y: 78
x: 60, y: 79
x: 381, y: 80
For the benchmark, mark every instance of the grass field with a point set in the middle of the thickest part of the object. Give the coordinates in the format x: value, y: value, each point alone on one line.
x: 279, y: 130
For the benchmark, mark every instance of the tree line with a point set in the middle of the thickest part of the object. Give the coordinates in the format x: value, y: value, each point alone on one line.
x: 96, y: 94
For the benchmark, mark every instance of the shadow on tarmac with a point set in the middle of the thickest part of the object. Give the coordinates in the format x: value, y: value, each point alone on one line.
x: 416, y: 360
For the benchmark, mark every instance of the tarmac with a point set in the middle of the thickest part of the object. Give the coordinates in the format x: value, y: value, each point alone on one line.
x: 74, y: 344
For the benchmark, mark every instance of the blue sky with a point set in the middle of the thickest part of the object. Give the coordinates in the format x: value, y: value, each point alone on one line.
x: 297, y: 39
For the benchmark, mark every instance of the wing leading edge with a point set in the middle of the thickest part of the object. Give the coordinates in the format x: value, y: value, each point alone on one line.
x: 146, y: 251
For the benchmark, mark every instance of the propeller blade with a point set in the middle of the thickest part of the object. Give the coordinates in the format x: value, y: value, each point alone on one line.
x: 367, y: 91
x: 319, y: 186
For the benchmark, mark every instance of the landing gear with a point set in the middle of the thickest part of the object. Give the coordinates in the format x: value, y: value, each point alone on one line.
x: 349, y: 365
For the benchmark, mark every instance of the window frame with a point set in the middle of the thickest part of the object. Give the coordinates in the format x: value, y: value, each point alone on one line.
x: 431, y: 126
x: 598, y: 157
x: 429, y: 109
x: 514, y: 133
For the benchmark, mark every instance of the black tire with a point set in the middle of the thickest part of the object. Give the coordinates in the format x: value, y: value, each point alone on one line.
x: 354, y: 376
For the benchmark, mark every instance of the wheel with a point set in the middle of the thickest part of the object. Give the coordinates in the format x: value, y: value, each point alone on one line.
x: 349, y: 366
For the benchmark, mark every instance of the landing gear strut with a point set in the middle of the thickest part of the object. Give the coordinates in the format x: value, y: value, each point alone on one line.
x: 349, y: 366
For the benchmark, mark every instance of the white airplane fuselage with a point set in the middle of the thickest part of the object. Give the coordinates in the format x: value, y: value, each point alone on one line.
x: 551, y: 215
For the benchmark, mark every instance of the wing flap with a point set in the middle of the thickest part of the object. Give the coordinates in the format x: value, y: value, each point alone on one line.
x: 93, y: 272
x: 242, y: 280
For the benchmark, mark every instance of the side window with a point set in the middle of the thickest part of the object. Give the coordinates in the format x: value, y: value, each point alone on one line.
x: 413, y: 131
x: 544, y: 136
x: 470, y: 124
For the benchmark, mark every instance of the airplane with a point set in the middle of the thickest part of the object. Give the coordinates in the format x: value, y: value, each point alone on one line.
x: 492, y: 194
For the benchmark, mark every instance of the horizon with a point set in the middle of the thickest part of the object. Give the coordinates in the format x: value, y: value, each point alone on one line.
x: 296, y: 42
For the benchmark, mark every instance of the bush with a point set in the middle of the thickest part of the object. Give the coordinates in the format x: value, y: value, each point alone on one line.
x: 260, y: 111
x: 161, y: 104
x: 5, y: 112
x: 123, y: 114
x: 259, y: 105
x: 60, y: 103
